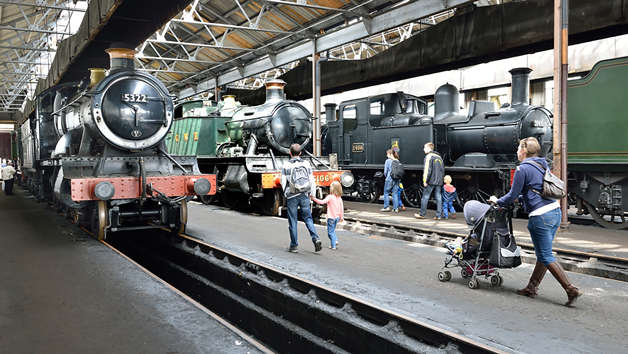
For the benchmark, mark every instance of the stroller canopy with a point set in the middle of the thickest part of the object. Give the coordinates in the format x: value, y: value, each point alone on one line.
x: 474, y: 211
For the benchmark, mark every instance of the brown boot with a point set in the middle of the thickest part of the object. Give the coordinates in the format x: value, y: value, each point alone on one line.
x: 535, y: 280
x: 558, y: 272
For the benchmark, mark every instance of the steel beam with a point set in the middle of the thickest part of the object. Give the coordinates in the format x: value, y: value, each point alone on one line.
x: 199, y: 45
x: 177, y: 59
x: 22, y: 3
x: 33, y: 30
x: 317, y: 7
x: 27, y: 48
x: 213, y: 24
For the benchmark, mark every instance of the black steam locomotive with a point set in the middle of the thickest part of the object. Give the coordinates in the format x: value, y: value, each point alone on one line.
x: 246, y: 148
x: 479, y: 148
x: 96, y: 150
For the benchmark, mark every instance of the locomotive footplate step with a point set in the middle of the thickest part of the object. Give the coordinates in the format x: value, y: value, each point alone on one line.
x: 64, y: 292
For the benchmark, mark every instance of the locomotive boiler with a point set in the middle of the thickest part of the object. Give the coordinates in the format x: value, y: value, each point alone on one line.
x: 251, y: 144
x: 99, y: 151
x: 478, y: 148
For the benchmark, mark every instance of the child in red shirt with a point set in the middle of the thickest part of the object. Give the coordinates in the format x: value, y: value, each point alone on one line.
x: 335, y: 211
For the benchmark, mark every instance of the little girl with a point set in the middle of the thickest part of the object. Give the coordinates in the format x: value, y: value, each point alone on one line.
x: 335, y: 211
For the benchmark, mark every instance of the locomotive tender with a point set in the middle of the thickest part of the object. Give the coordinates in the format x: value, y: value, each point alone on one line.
x: 98, y: 151
x: 478, y: 148
x: 246, y: 148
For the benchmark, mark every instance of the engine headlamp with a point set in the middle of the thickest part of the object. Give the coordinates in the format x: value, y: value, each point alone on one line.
x: 347, y: 179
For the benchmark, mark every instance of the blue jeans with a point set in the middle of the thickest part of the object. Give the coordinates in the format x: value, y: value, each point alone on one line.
x: 448, y: 207
x: 331, y: 231
x: 391, y: 185
x: 293, y: 204
x: 542, y: 230
x: 427, y: 191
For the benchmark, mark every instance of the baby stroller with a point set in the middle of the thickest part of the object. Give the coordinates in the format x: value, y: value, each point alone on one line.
x: 489, y: 246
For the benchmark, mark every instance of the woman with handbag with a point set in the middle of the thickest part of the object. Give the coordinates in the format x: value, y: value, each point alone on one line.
x: 544, y: 218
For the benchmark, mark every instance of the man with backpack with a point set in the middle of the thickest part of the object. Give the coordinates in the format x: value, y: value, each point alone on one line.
x: 392, y: 169
x: 433, y: 179
x: 297, y: 181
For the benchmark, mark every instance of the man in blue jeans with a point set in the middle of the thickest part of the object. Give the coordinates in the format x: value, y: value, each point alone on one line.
x: 390, y: 185
x: 297, y: 181
x: 433, y: 174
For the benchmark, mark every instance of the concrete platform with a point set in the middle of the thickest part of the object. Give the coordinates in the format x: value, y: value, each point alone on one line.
x: 64, y: 292
x: 591, y: 239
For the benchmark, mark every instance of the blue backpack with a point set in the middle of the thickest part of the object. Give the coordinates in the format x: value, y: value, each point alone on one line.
x: 299, y: 181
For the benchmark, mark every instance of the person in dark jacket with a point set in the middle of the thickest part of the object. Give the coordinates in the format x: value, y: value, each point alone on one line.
x: 544, y: 217
x: 433, y: 174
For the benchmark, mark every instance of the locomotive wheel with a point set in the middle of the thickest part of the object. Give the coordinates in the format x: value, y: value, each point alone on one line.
x: 412, y: 194
x: 183, y: 219
x: 609, y: 224
x: 99, y: 219
x: 478, y: 188
x: 208, y: 199
x: 372, y: 197
x: 229, y: 199
x: 271, y: 201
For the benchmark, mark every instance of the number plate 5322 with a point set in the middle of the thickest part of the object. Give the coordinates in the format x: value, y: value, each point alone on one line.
x: 133, y: 97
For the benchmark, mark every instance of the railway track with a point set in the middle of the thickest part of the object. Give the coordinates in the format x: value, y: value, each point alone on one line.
x: 286, y: 313
x: 576, y: 261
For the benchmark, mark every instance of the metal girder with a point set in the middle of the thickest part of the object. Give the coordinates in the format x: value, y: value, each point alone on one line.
x: 33, y: 30
x: 198, y: 45
x: 175, y: 59
x: 213, y: 24
x: 317, y: 7
x: 22, y: 3
x: 393, y: 18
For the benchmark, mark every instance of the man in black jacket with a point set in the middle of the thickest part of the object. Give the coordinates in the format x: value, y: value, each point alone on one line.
x: 433, y: 174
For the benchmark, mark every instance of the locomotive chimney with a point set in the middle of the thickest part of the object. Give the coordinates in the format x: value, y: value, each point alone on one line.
x: 446, y: 102
x: 330, y: 112
x: 274, y: 90
x: 121, y: 56
x: 520, y: 85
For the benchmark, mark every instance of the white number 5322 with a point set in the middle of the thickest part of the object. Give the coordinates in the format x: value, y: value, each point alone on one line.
x: 133, y: 97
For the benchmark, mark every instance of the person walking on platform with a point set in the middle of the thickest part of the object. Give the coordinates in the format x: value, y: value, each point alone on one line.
x: 390, y: 184
x: 335, y: 211
x: 544, y: 217
x: 449, y: 195
x: 297, y: 181
x: 7, y: 178
x: 433, y: 174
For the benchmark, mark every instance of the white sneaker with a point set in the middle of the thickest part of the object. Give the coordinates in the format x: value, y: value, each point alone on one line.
x: 386, y: 209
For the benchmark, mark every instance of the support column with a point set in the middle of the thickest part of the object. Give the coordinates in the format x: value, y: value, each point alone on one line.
x: 316, y: 101
x: 561, y: 64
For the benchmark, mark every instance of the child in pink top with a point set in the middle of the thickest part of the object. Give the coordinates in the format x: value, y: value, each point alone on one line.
x: 335, y: 211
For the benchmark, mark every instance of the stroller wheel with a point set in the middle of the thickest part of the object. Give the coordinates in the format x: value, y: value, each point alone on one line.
x: 444, y: 276
x: 464, y: 273
x: 474, y: 284
x: 496, y: 280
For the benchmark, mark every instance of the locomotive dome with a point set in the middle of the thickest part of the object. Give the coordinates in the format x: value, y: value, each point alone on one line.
x: 130, y: 110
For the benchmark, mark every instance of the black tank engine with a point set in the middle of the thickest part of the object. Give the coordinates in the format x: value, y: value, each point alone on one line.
x: 478, y: 148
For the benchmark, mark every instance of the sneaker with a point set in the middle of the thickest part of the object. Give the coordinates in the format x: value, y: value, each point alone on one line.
x: 418, y: 216
x: 318, y: 245
x: 332, y: 248
x: 386, y: 209
x: 453, y: 216
x: 435, y: 218
x: 292, y: 249
x: 445, y: 217
x: 396, y: 210
x: 403, y: 208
